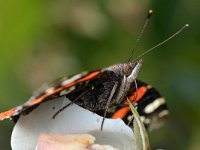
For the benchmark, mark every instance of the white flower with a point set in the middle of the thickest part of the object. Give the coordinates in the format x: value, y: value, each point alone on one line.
x: 72, y: 120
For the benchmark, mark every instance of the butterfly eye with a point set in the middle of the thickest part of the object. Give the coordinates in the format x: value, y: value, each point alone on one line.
x: 127, y: 69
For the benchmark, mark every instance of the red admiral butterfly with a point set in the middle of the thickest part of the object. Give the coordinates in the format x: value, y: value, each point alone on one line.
x: 95, y: 88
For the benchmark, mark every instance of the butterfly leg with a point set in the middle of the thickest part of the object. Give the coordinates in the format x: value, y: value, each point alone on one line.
x: 108, y: 103
x: 64, y: 107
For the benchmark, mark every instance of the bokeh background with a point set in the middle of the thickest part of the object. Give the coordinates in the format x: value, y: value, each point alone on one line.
x: 43, y: 40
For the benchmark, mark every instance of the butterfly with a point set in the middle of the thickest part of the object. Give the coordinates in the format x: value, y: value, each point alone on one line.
x: 95, y: 90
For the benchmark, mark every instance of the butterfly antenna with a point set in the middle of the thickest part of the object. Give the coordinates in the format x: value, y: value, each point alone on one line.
x: 150, y: 12
x: 161, y: 43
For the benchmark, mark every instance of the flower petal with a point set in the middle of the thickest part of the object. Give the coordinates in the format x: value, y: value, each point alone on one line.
x: 72, y: 120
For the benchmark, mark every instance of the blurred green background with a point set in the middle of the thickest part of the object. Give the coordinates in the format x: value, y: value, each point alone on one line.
x: 44, y: 40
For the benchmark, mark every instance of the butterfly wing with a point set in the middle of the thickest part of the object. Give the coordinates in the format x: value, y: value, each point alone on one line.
x: 150, y: 105
x: 45, y: 94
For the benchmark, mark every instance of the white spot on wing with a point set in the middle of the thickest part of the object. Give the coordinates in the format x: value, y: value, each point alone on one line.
x: 154, y: 105
x: 163, y: 113
x: 149, y: 86
x: 142, y: 118
x: 72, y: 79
x: 66, y: 91
x: 49, y: 90
x: 147, y: 121
x: 130, y: 117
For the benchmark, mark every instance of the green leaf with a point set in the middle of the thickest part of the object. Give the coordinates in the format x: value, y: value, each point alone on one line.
x: 141, y: 136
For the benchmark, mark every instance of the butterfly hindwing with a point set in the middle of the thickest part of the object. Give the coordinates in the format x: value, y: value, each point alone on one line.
x: 150, y: 105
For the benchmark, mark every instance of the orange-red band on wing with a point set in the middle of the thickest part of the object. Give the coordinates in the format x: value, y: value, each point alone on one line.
x: 121, y: 113
x: 40, y: 99
x: 9, y: 113
x: 135, y: 97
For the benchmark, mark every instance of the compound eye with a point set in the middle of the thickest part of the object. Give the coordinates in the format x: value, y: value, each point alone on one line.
x: 127, y: 69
